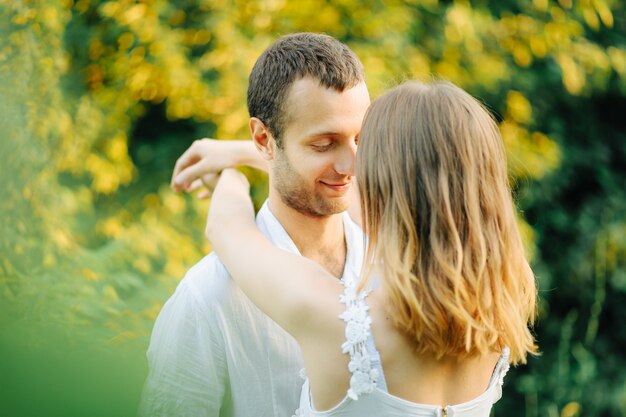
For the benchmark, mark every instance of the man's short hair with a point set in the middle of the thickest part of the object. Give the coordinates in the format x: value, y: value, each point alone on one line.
x: 291, y: 58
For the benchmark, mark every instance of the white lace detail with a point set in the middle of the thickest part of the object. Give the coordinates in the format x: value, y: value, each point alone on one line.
x: 358, y: 322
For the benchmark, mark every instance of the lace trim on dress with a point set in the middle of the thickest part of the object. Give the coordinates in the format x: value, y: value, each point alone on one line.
x: 358, y: 323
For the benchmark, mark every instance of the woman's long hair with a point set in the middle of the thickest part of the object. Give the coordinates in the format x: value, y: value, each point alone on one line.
x: 439, y: 216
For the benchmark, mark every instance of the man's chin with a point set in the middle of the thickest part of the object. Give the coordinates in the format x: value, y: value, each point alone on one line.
x: 326, y: 208
x: 334, y: 206
x: 316, y: 205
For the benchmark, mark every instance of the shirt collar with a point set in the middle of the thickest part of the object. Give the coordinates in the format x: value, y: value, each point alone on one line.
x: 271, y: 227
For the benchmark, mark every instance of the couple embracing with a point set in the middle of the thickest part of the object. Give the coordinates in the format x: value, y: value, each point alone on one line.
x: 388, y: 281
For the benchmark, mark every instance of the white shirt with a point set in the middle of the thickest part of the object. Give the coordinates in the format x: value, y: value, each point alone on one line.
x: 214, y: 353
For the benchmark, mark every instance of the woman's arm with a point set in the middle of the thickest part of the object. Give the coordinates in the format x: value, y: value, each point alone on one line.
x: 201, y: 164
x: 294, y: 291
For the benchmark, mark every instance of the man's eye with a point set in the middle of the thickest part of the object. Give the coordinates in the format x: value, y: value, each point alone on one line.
x: 322, y: 146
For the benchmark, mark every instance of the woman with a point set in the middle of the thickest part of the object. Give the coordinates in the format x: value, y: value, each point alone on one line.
x: 447, y: 294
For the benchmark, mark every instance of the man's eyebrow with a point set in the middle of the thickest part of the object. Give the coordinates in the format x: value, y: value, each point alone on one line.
x: 318, y: 133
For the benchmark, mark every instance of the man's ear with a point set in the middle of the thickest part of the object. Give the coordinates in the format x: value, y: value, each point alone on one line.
x: 262, y: 138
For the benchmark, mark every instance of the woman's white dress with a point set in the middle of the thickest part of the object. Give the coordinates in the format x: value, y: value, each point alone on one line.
x: 368, y: 395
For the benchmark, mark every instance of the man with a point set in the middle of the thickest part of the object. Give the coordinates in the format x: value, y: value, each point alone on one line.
x: 212, y: 352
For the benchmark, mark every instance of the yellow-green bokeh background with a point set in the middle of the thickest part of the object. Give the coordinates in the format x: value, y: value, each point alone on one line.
x: 99, y: 98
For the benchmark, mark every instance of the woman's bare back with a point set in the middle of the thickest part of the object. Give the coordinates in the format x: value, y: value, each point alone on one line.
x: 424, y: 379
x: 414, y: 378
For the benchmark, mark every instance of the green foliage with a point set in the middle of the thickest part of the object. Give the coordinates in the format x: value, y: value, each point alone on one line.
x: 99, y: 98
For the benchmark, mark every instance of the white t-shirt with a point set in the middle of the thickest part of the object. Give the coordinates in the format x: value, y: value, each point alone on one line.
x: 214, y: 353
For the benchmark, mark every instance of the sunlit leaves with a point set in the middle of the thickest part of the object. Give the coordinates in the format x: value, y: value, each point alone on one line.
x: 122, y: 56
x: 106, y: 242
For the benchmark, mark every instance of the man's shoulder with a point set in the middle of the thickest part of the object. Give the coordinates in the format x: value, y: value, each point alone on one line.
x: 209, y: 265
x: 207, y: 282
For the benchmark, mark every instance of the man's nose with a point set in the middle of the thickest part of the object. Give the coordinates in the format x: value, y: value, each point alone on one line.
x: 345, y: 161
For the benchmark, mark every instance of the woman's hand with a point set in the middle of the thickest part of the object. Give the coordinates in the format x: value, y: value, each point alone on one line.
x: 231, y: 208
x: 200, y: 165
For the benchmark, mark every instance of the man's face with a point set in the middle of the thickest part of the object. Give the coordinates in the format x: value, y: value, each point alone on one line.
x: 314, y: 169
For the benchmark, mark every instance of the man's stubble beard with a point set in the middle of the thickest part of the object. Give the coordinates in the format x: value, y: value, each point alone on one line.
x: 296, y: 194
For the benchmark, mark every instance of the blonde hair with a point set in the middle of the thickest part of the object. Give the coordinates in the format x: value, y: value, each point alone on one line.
x: 441, y: 224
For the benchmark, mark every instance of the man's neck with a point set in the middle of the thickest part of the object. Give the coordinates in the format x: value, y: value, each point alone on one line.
x: 321, y: 239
